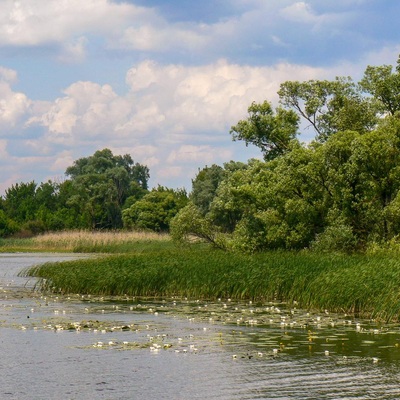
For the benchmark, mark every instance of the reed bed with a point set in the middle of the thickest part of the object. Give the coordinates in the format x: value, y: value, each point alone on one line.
x: 87, y: 241
x: 360, y: 284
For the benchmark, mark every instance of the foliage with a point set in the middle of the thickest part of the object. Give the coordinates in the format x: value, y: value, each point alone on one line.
x: 271, y: 131
x: 363, y: 284
x: 339, y: 192
x: 100, y: 186
x: 102, y: 183
x: 330, y: 106
x: 206, y: 183
x: 155, y: 210
x: 204, y: 187
x: 190, y: 225
x: 7, y: 225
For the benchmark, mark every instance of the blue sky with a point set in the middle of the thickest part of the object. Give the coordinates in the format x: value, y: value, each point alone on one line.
x: 165, y: 80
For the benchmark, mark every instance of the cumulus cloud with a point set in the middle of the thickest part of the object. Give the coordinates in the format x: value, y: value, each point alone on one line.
x: 202, y: 155
x: 299, y: 12
x: 172, y: 118
x: 27, y: 23
x: 74, y: 51
x: 166, y: 104
x: 160, y: 38
x: 13, y: 105
x: 254, y: 30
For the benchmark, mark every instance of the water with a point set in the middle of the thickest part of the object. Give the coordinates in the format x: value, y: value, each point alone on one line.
x: 54, y: 347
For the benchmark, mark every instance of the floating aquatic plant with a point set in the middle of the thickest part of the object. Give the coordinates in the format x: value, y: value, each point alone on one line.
x: 357, y: 284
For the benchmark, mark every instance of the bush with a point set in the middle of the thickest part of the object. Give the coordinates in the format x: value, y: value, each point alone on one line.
x: 189, y: 225
x: 338, y: 237
x: 7, y: 226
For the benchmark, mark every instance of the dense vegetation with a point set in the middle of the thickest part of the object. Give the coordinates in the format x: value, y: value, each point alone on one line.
x: 335, y: 195
x: 353, y: 284
x: 102, y: 191
x: 338, y: 193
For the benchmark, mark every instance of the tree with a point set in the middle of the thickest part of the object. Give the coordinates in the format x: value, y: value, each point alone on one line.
x: 273, y: 132
x: 384, y: 85
x: 155, y: 210
x: 207, y: 181
x: 340, y: 192
x: 7, y: 225
x: 330, y: 106
x: 190, y: 225
x: 204, y: 187
x: 102, y: 184
x: 20, y: 203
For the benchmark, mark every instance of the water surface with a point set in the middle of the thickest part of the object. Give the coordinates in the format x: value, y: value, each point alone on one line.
x: 81, y: 347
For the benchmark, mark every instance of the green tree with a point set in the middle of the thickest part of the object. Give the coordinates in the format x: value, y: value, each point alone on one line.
x: 155, y: 210
x: 340, y: 192
x: 384, y: 85
x: 330, y: 106
x: 7, y: 225
x: 273, y: 132
x: 207, y: 181
x: 20, y: 203
x: 102, y: 184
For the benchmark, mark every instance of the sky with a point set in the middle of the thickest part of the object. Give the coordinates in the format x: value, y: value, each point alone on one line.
x: 164, y: 81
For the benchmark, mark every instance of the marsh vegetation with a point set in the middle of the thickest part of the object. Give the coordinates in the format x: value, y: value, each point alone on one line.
x: 358, y: 284
x: 316, y: 223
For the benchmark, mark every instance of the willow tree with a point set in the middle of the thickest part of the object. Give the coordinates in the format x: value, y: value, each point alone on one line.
x: 102, y: 183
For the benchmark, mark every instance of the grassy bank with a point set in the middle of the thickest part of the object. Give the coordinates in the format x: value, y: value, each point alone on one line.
x: 88, y: 242
x: 365, y: 285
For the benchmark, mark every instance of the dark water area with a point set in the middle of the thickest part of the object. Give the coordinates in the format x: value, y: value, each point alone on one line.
x: 81, y: 347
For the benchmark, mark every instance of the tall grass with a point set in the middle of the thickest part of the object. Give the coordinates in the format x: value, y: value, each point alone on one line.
x: 368, y: 285
x: 88, y: 241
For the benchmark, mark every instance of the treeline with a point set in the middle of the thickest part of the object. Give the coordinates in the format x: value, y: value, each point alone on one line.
x: 102, y: 191
x: 339, y: 192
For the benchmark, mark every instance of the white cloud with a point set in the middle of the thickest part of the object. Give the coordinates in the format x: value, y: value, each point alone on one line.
x: 70, y: 30
x: 8, y: 75
x: 172, y: 115
x: 27, y: 23
x: 62, y: 161
x: 3, y: 150
x: 13, y: 105
x: 299, y: 12
x: 74, y: 51
x: 166, y: 103
x: 160, y: 37
x: 88, y: 109
x: 201, y: 155
x: 173, y: 118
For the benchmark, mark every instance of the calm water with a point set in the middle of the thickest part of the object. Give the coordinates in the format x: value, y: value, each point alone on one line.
x: 86, y: 348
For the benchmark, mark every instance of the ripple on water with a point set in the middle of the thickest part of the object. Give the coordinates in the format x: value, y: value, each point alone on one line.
x: 222, y: 350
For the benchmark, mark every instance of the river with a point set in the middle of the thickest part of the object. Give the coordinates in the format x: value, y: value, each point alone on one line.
x: 81, y: 347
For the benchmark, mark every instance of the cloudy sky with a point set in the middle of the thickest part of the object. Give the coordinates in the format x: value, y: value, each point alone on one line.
x: 165, y: 80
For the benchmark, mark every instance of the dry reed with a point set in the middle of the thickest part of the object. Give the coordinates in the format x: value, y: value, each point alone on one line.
x: 81, y: 240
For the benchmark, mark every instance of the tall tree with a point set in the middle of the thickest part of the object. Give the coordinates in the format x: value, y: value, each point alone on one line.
x: 271, y: 131
x: 155, y: 210
x: 102, y: 183
x: 384, y: 85
x: 330, y: 106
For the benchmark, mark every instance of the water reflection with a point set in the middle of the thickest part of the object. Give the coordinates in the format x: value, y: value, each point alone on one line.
x: 83, y: 347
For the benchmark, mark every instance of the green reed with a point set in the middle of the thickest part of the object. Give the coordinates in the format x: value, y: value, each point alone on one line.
x: 360, y: 284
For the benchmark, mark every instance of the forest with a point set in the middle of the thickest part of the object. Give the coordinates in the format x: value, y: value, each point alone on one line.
x: 339, y: 192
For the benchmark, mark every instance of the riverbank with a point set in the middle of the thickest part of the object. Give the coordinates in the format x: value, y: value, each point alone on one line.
x: 142, y: 264
x: 363, y: 285
x: 266, y: 345
x: 109, y: 242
